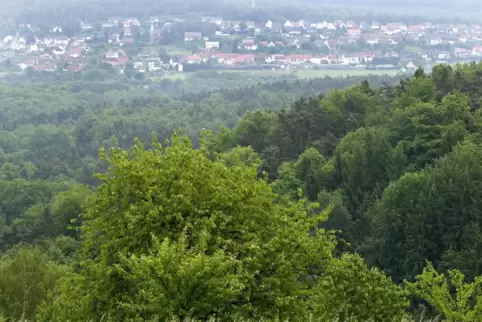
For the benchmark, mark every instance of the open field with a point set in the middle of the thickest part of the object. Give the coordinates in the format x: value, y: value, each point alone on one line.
x: 310, y: 73
x: 172, y: 77
x: 173, y: 50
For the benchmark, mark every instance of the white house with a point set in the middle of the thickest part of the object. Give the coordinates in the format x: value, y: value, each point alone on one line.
x: 212, y: 44
x: 411, y: 65
x: 58, y: 51
x: 131, y: 22
x: 61, y: 41
x: 18, y: 44
x: 194, y: 59
x: 331, y: 26
x: 33, y: 48
x: 109, y: 24
x: 56, y: 29
x: 316, y: 60
x: 115, y: 54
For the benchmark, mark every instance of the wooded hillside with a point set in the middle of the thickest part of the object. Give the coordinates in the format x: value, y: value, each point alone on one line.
x: 358, y: 204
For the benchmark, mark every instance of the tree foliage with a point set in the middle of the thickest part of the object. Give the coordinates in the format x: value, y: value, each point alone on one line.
x: 449, y: 294
x: 271, y: 212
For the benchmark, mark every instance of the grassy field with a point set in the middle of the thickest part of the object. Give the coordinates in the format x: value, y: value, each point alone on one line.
x: 173, y: 50
x: 343, y: 73
x: 304, y: 74
x: 173, y: 77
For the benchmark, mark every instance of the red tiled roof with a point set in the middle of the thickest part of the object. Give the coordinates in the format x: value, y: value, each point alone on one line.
x: 75, y: 68
x: 300, y: 57
x: 414, y: 28
x: 225, y: 55
x: 461, y: 50
x: 29, y: 62
x: 194, y: 57
x: 354, y: 31
x: 243, y: 58
x: 75, y: 50
x: 122, y: 60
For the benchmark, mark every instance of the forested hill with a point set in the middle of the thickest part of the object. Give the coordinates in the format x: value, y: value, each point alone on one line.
x: 60, y: 126
x: 434, y: 4
x: 358, y: 204
x: 400, y: 163
x: 66, y: 13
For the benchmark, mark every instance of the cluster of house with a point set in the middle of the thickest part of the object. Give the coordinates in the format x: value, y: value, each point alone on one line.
x: 55, y: 50
x: 143, y: 62
x: 48, y: 53
x: 360, y: 59
x: 372, y: 33
x: 461, y: 41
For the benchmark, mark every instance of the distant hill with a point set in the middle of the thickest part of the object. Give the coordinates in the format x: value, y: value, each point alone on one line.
x: 61, y: 11
x: 437, y: 4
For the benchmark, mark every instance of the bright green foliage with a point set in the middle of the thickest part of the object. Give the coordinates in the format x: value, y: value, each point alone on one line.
x: 68, y: 303
x: 288, y: 182
x: 26, y: 278
x: 175, y: 191
x: 241, y: 156
x: 349, y: 291
x: 61, y: 249
x: 175, y: 281
x: 449, y: 294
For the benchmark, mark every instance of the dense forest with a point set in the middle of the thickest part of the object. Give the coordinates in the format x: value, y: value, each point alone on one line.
x: 320, y: 200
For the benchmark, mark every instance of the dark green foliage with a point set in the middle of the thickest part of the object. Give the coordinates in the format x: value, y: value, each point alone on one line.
x: 229, y: 226
x: 433, y: 215
x: 26, y: 277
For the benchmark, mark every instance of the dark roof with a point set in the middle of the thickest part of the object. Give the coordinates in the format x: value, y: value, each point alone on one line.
x: 385, y: 61
x: 260, y: 25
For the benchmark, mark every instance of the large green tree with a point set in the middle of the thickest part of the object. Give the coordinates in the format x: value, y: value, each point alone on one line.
x: 263, y: 251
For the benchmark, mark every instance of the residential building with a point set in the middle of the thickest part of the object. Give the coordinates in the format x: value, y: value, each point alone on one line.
x: 212, y: 45
x: 190, y: 36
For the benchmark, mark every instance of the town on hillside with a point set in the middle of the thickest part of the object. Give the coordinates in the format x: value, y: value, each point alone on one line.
x: 160, y: 45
